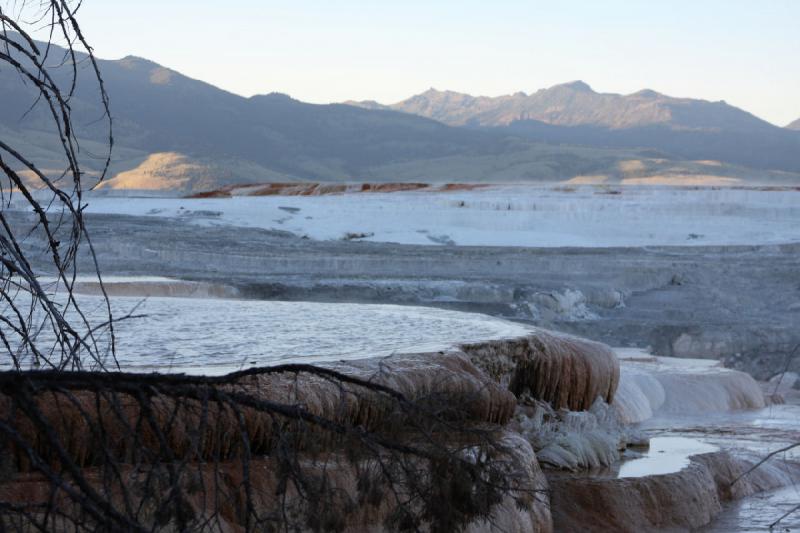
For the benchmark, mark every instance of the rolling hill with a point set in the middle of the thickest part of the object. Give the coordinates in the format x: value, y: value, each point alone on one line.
x: 157, y: 110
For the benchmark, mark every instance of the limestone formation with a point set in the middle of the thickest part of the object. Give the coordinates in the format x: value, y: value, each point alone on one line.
x: 565, y: 371
x: 650, y: 387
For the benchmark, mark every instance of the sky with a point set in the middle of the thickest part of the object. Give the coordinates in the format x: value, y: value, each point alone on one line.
x: 745, y: 52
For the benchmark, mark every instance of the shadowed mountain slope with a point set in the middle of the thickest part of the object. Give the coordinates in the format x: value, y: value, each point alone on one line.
x: 158, y: 110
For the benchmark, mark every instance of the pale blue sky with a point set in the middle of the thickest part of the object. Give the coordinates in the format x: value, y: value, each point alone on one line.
x: 746, y: 52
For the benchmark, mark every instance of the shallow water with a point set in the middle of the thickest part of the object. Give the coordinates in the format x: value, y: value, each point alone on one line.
x: 759, y: 511
x: 754, y: 434
x: 664, y: 456
x: 758, y: 431
x: 218, y: 335
x: 697, y: 422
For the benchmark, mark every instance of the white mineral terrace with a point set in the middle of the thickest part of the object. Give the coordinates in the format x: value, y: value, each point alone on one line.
x: 593, y: 216
x: 702, y: 421
x: 194, y: 328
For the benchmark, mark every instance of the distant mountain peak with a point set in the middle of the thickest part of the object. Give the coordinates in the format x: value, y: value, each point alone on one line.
x: 647, y: 93
x: 432, y: 92
x: 365, y: 103
x: 130, y: 60
x: 577, y: 85
x: 273, y: 96
x: 794, y: 125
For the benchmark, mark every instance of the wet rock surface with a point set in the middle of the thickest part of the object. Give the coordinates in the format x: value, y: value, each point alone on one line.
x: 681, y: 501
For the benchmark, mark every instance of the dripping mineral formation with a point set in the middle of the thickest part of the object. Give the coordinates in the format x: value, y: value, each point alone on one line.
x: 567, y: 412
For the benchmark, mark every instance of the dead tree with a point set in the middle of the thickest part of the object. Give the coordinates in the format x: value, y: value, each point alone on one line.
x: 29, y: 307
x: 102, y: 451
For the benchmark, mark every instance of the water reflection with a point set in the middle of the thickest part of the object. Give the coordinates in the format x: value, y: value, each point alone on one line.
x: 664, y: 456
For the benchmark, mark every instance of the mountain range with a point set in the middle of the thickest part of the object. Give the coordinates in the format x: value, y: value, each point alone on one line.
x: 179, y: 134
x: 573, y: 113
x: 794, y: 125
x: 574, y: 104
